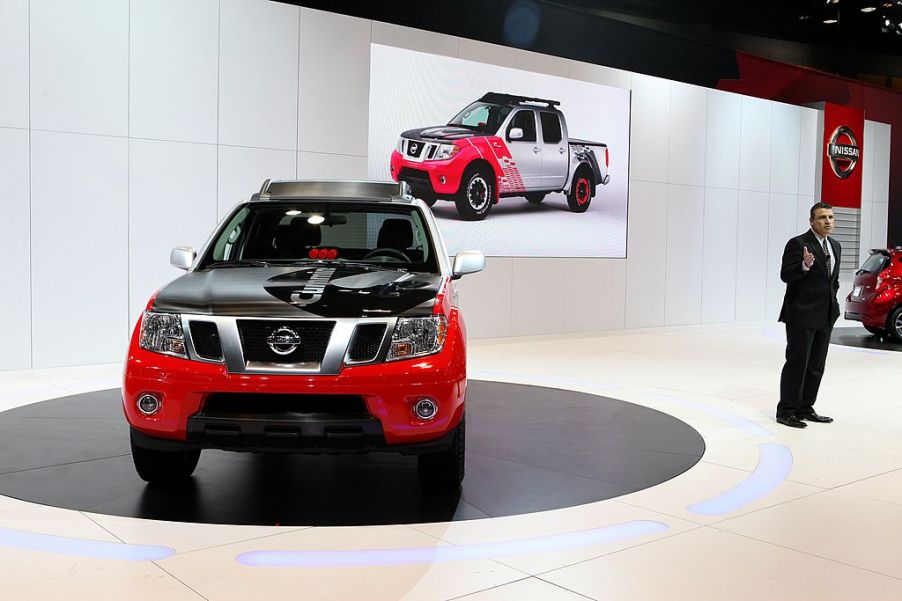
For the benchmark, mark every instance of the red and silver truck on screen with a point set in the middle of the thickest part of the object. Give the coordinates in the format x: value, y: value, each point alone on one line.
x: 500, y: 146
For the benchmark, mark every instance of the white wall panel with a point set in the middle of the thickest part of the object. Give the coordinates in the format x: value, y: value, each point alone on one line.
x: 881, y: 162
x: 334, y: 122
x: 782, y: 215
x: 803, y: 216
x: 685, y: 246
x: 316, y: 165
x: 15, y: 247
x: 754, y: 145
x: 785, y: 144
x: 537, y: 296
x: 618, y: 294
x: 382, y: 33
x: 600, y: 74
x: 751, y: 257
x: 722, y: 139
x: 14, y: 66
x: 258, y: 74
x: 172, y: 202
x: 79, y: 249
x: 879, y: 221
x: 174, y: 53
x: 650, y: 129
x: 688, y: 137
x: 79, y: 66
x: 867, y: 164
x: 543, y: 63
x: 425, y: 41
x: 242, y: 172
x: 587, y: 295
x: 485, y: 299
x: 809, y: 153
x: 719, y: 255
x: 646, y: 250
x: 865, y: 228
x: 483, y: 52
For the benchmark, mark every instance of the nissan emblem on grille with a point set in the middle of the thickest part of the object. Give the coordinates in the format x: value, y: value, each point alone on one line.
x: 413, y: 148
x: 283, y: 341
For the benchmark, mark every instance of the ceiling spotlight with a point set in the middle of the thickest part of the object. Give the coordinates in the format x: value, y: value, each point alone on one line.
x: 830, y: 21
x: 887, y: 22
x: 868, y: 9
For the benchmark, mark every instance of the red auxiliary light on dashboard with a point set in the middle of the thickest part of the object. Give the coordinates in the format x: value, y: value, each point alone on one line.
x: 323, y: 253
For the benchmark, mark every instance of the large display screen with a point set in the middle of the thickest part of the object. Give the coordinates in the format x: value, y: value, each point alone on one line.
x: 553, y: 151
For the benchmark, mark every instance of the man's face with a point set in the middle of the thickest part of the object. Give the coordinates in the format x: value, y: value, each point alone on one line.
x: 822, y: 223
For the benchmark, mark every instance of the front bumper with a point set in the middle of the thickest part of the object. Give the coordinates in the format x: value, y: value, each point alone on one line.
x: 388, y: 392
x: 435, y: 178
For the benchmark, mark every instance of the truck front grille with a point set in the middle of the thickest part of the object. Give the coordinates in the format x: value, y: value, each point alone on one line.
x: 205, y: 337
x: 297, y: 342
x: 366, y: 342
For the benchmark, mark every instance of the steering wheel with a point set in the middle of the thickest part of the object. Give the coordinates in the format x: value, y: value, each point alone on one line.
x: 394, y: 253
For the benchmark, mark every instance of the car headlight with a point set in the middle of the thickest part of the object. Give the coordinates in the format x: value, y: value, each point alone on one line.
x: 162, y: 333
x: 417, y: 336
x: 400, y: 147
x: 445, y: 152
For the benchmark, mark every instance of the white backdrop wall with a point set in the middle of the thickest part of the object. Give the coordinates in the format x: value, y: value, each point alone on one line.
x: 127, y: 127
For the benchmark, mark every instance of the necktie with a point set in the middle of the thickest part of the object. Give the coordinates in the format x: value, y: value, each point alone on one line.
x: 829, y: 258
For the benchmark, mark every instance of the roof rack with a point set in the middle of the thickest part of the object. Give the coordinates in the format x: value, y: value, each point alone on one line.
x: 330, y: 190
x: 497, y: 98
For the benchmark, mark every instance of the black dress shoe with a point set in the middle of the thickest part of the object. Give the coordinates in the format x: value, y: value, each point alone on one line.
x: 792, y: 421
x: 814, y: 417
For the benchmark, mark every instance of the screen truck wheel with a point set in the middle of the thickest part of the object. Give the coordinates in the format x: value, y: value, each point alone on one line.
x: 474, y: 201
x: 581, y: 192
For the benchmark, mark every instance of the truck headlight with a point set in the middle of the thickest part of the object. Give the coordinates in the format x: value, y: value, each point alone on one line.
x: 445, y: 152
x: 417, y: 336
x: 162, y: 333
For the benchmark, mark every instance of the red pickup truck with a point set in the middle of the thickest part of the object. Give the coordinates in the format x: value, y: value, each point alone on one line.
x: 500, y: 146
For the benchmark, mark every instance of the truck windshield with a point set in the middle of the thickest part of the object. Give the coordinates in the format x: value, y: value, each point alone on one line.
x: 484, y: 117
x: 302, y: 231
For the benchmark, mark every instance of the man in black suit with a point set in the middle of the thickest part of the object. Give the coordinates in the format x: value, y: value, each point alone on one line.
x: 811, y: 272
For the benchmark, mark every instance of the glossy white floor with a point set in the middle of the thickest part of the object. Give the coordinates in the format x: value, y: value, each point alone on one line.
x: 829, y: 530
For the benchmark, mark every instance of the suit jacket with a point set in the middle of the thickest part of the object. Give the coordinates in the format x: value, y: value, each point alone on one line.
x: 810, y: 299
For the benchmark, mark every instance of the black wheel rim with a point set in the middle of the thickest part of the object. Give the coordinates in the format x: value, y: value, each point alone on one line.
x: 478, y: 194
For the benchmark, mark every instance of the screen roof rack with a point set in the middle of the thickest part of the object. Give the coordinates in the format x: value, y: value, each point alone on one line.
x: 497, y: 98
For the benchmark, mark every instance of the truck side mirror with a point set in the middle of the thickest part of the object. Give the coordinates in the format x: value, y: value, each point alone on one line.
x: 515, y: 133
x: 182, y: 257
x: 467, y: 261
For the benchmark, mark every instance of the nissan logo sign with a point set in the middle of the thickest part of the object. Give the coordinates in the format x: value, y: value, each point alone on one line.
x: 283, y: 341
x: 843, y: 152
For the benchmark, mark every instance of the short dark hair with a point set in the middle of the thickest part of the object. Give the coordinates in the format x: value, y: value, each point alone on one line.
x: 816, y: 206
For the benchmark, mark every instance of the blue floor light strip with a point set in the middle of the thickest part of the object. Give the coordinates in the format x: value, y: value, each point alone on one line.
x: 82, y: 547
x: 381, y: 557
x: 774, y: 465
x: 746, y: 425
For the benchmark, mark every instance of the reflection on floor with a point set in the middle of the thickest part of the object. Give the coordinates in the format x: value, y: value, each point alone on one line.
x: 825, y: 528
x: 861, y: 338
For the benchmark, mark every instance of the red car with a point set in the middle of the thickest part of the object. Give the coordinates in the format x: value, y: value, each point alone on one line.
x: 321, y: 317
x: 876, y: 297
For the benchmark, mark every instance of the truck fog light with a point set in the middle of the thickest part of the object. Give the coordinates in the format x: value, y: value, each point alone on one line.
x: 425, y: 409
x: 441, y: 179
x: 149, y: 404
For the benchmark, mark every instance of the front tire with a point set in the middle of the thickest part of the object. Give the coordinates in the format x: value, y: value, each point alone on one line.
x: 444, y: 471
x: 163, y: 467
x: 581, y: 191
x: 894, y: 324
x: 476, y: 195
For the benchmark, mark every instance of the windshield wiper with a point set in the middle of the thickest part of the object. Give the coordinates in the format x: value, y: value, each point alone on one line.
x: 239, y: 263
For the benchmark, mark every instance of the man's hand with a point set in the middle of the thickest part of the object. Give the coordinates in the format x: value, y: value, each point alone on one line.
x: 807, y: 258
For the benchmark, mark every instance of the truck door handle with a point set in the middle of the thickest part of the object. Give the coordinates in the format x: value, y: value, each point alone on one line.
x: 536, y: 150
x: 561, y: 150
